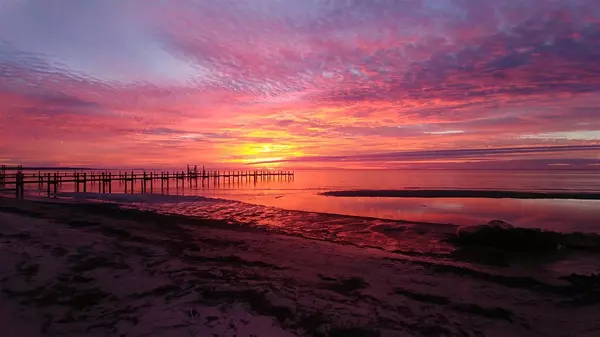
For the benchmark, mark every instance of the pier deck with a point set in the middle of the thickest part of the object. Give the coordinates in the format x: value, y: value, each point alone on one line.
x: 14, y: 179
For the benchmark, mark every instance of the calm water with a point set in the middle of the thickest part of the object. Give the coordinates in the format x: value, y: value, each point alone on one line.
x: 302, y: 193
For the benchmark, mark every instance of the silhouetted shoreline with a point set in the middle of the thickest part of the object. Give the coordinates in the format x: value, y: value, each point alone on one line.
x: 463, y: 194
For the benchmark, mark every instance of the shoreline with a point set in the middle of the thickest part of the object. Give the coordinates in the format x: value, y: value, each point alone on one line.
x: 486, y: 194
x: 110, y: 198
x: 96, y: 269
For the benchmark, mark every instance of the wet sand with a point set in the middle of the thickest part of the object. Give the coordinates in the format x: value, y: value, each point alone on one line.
x: 96, y: 270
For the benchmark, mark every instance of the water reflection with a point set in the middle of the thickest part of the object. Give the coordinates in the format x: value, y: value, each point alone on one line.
x: 557, y: 215
x: 301, y: 193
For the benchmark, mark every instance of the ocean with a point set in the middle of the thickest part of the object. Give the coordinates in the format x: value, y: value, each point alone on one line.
x: 303, y: 193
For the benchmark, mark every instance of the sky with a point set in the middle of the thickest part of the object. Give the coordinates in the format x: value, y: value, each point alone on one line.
x: 311, y: 83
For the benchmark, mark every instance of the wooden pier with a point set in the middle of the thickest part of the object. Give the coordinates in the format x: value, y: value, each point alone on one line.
x: 102, y: 181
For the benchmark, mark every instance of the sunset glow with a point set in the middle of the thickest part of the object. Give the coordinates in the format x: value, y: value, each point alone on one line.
x: 288, y: 83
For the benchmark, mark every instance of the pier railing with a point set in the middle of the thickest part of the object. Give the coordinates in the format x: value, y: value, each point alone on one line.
x: 86, y: 180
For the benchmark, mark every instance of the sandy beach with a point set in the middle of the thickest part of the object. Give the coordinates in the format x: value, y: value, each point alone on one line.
x: 81, y: 269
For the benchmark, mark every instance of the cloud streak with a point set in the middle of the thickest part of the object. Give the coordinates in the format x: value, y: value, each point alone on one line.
x: 448, y: 155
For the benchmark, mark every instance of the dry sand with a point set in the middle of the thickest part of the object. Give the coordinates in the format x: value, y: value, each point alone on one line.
x: 96, y: 270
